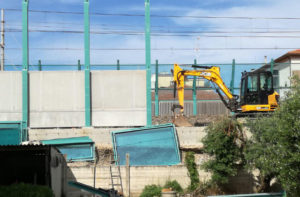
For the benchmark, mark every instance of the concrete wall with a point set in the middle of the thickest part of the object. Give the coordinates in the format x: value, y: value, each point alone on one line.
x: 58, y: 169
x: 119, y: 98
x: 188, y: 137
x: 140, y: 176
x: 57, y: 99
x: 10, y: 96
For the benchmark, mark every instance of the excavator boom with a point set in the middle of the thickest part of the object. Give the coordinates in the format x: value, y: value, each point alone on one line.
x: 209, y: 73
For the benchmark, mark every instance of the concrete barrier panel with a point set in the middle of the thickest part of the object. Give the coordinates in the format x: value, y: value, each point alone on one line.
x: 118, y: 98
x: 56, y: 99
x: 10, y: 96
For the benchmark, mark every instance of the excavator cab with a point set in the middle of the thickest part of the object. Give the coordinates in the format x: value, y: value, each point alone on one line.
x: 257, y: 92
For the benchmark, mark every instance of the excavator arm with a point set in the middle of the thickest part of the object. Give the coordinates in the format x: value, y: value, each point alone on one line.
x: 209, y: 73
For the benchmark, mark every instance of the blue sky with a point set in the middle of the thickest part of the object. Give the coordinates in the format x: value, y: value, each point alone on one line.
x: 196, y: 44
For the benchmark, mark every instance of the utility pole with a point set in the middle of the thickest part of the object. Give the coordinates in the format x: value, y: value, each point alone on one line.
x: 2, y: 40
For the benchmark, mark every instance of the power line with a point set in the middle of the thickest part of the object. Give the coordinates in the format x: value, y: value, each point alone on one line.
x: 42, y: 24
x: 162, y: 16
x: 34, y: 28
x: 130, y: 33
x: 155, y: 49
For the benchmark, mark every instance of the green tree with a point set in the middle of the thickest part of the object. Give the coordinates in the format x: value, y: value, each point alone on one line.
x: 274, y: 148
x: 224, y: 143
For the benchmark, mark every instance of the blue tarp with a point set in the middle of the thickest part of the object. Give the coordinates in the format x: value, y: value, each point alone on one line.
x: 155, y: 145
x: 76, y: 149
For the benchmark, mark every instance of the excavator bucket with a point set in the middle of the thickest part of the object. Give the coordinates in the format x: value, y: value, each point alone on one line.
x: 181, y: 121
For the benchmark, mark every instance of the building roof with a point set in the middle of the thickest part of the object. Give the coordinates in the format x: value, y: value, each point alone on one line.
x: 282, y: 58
x: 288, y: 54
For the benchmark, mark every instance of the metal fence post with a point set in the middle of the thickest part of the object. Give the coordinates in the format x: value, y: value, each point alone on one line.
x: 118, y: 64
x: 25, y: 63
x: 87, y: 64
x: 156, y: 89
x: 272, y: 65
x: 148, y: 62
x: 78, y: 65
x: 232, y: 76
x: 194, y: 93
x: 40, y: 65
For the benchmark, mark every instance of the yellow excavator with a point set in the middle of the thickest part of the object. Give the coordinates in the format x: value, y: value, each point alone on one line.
x: 257, y: 93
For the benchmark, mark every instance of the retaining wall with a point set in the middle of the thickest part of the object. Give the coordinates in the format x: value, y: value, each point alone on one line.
x: 88, y: 173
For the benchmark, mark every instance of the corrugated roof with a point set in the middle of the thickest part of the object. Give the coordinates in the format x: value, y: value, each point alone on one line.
x: 23, y: 147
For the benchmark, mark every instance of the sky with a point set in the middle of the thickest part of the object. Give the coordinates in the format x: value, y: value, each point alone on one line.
x: 208, y: 31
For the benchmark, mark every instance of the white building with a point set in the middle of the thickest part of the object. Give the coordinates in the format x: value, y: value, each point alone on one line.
x: 284, y: 68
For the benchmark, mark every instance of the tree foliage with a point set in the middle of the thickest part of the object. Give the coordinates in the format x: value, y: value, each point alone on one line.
x: 275, y: 145
x: 224, y: 142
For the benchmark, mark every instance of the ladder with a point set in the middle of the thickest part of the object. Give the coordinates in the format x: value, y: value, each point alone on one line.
x: 115, y: 175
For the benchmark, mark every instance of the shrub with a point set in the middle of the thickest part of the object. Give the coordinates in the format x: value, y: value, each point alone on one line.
x: 174, y: 185
x: 151, y: 190
x: 224, y: 142
x: 192, y: 170
x: 25, y: 190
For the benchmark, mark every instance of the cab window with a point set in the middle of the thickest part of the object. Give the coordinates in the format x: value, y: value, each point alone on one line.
x: 252, y: 83
x: 265, y: 82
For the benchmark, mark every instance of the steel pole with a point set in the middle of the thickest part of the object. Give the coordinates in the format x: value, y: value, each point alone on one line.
x: 156, y: 89
x: 194, y: 93
x: 272, y: 66
x: 40, y: 65
x: 25, y: 63
x: 2, y: 40
x: 148, y: 62
x: 232, y: 76
x: 87, y: 64
x: 78, y: 65
x: 118, y: 64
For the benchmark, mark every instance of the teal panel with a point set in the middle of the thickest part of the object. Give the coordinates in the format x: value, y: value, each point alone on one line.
x: 154, y: 145
x: 101, y: 192
x: 10, y: 136
x: 74, y: 140
x: 76, y: 149
x: 12, y: 133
